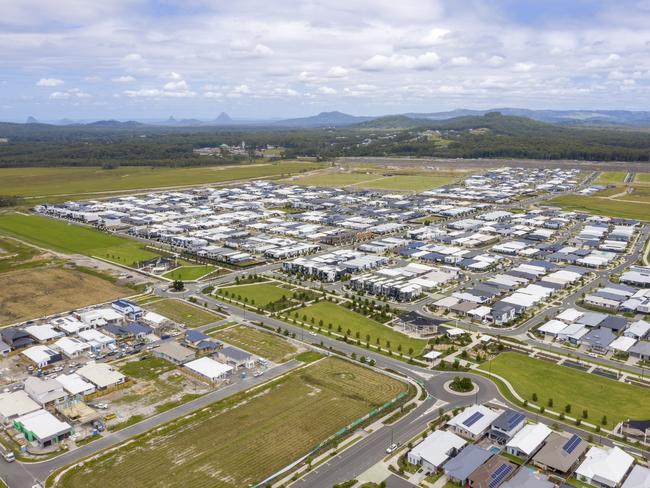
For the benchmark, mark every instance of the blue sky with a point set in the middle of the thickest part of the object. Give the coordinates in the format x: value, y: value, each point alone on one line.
x: 149, y: 59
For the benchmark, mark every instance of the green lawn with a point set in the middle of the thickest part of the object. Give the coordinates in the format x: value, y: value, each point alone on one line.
x: 643, y: 178
x: 347, y: 319
x: 41, y: 182
x: 600, y: 396
x: 183, y: 312
x: 611, y: 177
x: 70, y: 238
x: 409, y: 182
x: 260, y: 294
x: 243, y: 439
x: 603, y: 206
x: 258, y: 342
x: 147, y: 369
x: 190, y: 273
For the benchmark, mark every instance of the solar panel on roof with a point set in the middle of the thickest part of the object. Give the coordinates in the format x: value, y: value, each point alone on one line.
x: 499, y: 475
x: 473, y: 419
x: 571, y: 444
x: 515, y: 419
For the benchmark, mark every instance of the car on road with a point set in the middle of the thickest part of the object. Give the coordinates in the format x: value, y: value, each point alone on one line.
x: 8, y: 456
x: 391, y: 448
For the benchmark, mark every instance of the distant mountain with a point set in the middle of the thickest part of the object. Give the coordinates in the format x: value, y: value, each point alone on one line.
x: 223, y: 119
x: 324, y: 119
x: 393, y: 122
x: 113, y: 124
x: 31, y: 120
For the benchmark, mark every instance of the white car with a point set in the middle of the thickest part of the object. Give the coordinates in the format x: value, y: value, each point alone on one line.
x: 391, y: 448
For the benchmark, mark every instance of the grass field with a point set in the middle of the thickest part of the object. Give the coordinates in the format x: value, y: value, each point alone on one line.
x: 603, y: 206
x: 347, y: 319
x: 258, y: 342
x: 643, y: 178
x: 183, y: 312
x: 69, y: 238
x: 31, y: 293
x: 600, y: 396
x: 41, y: 182
x: 242, y: 440
x: 260, y: 294
x: 611, y: 177
x: 190, y: 273
x: 147, y: 369
x: 15, y: 255
x: 407, y: 182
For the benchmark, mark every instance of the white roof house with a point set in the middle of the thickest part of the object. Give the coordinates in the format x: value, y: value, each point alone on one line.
x: 42, y: 426
x: 75, y: 384
x: 570, y: 315
x: 96, y: 339
x: 102, y: 375
x: 622, y: 343
x: 69, y: 324
x: 209, y: 368
x: 436, y: 449
x: 43, y: 333
x: 41, y: 355
x: 639, y: 477
x: 528, y: 440
x: 552, y: 327
x: 474, y: 421
x: 71, y: 346
x: 16, y: 403
x: 605, y: 467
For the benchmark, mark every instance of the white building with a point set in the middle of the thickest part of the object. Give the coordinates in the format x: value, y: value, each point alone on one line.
x: 43, y: 427
x: 102, y: 375
x: 639, y: 478
x: 474, y: 421
x: 15, y: 404
x: 42, y: 356
x: 435, y: 450
x: 71, y: 346
x: 528, y: 440
x: 75, y: 384
x: 209, y: 368
x: 605, y: 467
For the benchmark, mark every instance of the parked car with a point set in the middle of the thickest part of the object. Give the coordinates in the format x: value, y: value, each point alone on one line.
x: 391, y: 448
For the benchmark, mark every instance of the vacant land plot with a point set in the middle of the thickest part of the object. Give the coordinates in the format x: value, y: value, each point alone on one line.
x: 31, y: 293
x: 643, y: 178
x: 35, y: 182
x: 258, y: 342
x: 242, y: 440
x: 183, y: 313
x: 190, y: 273
x: 339, y: 316
x: 604, y: 206
x: 570, y: 386
x: 147, y: 369
x: 15, y: 255
x: 637, y: 193
x: 611, y: 177
x: 336, y: 179
x: 259, y: 294
x: 73, y: 239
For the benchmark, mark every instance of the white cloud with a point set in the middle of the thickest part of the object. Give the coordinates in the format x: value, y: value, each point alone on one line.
x: 496, y: 61
x: 73, y: 92
x: 326, y: 90
x: 426, y: 61
x: 59, y: 95
x: 460, y: 61
x: 610, y: 60
x: 420, y: 39
x: 176, y: 85
x: 337, y: 72
x: 523, y: 67
x: 261, y: 50
x: 123, y: 79
x: 49, y: 82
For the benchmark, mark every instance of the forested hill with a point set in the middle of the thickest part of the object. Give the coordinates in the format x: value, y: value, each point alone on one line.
x: 492, y: 135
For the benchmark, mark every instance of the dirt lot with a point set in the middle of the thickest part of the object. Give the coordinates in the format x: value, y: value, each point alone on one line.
x: 33, y: 293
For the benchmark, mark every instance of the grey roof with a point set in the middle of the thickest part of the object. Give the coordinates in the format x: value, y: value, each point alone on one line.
x: 526, y: 479
x: 4, y: 346
x: 235, y: 354
x: 508, y: 420
x: 553, y: 456
x: 470, y: 458
x: 638, y: 478
x: 602, y: 337
x: 614, y: 322
x: 592, y: 319
x: 642, y: 348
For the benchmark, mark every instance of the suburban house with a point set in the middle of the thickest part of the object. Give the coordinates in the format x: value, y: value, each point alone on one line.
x: 459, y: 468
x: 15, y: 404
x: 506, y: 426
x: 75, y: 384
x: 16, y: 338
x: 492, y: 474
x: 605, y: 467
x: 42, y: 427
x: 560, y: 454
x: 45, y: 392
x: 102, y: 375
x: 236, y: 357
x: 435, y: 450
x: 528, y: 479
x: 639, y: 477
x: 473, y: 422
x: 174, y: 353
x: 209, y: 368
x: 528, y: 440
x: 42, y: 356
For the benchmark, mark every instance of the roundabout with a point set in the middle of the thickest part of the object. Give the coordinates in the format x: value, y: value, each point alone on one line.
x: 451, y: 386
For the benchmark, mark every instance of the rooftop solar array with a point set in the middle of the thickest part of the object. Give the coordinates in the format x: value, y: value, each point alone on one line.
x: 515, y: 419
x: 475, y: 417
x: 499, y: 475
x: 571, y: 444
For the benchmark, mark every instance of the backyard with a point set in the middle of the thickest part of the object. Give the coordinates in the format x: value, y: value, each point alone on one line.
x: 240, y: 441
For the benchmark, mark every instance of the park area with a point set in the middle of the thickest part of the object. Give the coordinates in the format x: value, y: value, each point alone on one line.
x: 583, y: 391
x: 627, y: 209
x: 73, y: 239
x: 360, y: 327
x: 69, y: 182
x: 258, y: 294
x: 190, y: 273
x: 242, y: 440
x: 260, y: 343
x: 32, y: 293
x: 182, y: 312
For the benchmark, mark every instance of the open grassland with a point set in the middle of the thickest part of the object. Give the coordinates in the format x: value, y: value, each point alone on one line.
x: 73, y: 239
x: 42, y: 182
x: 190, y: 273
x: 611, y: 177
x: 241, y: 440
x: 31, y: 293
x: 637, y: 193
x: 604, y: 206
x: 260, y: 294
x: 15, y: 255
x: 599, y: 396
x: 183, y: 313
x: 337, y: 315
x: 258, y: 342
x: 380, y: 181
x: 642, y: 178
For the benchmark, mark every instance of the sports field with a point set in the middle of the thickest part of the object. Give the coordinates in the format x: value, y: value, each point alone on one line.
x: 244, y: 439
x: 30, y: 293
x: 604, y: 206
x: 190, y: 273
x: 336, y: 315
x: 258, y: 342
x: 42, y: 182
x: 600, y: 396
x: 611, y: 177
x: 259, y: 294
x: 73, y: 239
x: 182, y: 312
